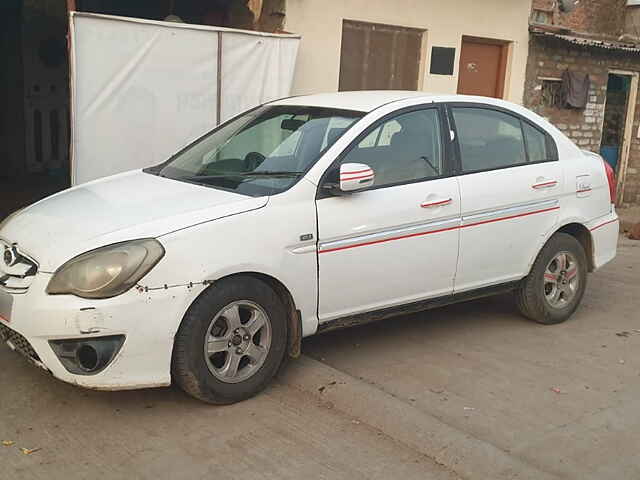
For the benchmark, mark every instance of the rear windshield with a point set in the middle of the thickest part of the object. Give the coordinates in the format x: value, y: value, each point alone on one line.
x: 261, y: 152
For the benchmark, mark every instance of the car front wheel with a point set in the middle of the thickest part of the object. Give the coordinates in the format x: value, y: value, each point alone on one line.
x: 554, y: 288
x: 231, y: 342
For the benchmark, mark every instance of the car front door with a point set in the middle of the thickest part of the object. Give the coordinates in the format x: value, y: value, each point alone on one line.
x: 510, y: 187
x: 397, y: 241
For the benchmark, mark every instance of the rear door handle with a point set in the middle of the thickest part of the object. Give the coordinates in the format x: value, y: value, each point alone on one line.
x: 544, y: 184
x: 436, y: 203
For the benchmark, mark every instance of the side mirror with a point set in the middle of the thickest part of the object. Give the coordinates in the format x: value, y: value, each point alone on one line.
x: 355, y: 176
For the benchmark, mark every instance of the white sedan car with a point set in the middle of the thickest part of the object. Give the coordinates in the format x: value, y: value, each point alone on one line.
x: 297, y: 217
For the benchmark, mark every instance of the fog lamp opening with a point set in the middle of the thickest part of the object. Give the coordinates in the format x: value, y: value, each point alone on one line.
x: 87, y: 356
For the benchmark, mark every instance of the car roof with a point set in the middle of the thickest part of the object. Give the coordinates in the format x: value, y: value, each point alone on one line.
x: 363, y: 101
x: 369, y: 100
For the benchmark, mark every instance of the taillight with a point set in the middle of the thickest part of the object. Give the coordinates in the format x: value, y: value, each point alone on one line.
x: 611, y: 178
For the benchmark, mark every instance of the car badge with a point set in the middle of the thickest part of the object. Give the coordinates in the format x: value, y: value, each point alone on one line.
x: 10, y: 256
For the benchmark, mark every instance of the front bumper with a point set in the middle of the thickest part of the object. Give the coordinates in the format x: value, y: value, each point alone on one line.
x: 19, y: 344
x: 148, y: 321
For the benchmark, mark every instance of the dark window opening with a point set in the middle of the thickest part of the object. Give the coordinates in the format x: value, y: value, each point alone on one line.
x: 54, y: 130
x: 37, y: 135
x: 551, y: 93
x: 442, y: 60
x: 615, y: 117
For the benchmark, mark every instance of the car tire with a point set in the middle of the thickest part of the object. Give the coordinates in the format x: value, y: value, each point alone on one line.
x: 556, y: 283
x: 213, y: 340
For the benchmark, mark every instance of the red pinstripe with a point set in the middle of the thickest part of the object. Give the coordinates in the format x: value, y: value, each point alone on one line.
x: 603, y: 224
x: 510, y: 217
x: 387, y: 240
x: 434, y: 204
x: 342, y: 179
x: 546, y: 184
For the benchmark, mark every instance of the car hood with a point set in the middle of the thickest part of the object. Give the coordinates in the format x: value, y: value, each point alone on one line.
x: 122, y: 207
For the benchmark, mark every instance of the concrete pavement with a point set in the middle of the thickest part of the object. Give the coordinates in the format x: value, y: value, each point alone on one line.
x: 629, y: 217
x: 163, y: 434
x: 560, y: 398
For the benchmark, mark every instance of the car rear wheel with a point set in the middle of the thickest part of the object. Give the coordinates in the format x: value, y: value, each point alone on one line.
x: 231, y: 341
x: 554, y: 288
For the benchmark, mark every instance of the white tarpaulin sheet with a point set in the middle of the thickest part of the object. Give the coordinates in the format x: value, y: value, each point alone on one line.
x: 142, y: 89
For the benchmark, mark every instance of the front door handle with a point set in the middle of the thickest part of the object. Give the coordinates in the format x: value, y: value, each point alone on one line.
x: 436, y: 203
x: 544, y: 184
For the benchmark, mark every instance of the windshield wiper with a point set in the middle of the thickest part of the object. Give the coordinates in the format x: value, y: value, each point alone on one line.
x: 272, y: 173
x: 264, y: 173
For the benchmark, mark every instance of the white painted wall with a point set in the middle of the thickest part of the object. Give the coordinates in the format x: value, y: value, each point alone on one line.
x: 445, y: 21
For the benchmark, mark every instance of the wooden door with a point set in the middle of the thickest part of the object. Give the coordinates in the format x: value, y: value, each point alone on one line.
x: 482, y: 67
x: 379, y: 57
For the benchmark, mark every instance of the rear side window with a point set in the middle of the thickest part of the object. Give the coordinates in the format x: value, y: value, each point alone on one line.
x: 490, y: 139
x: 536, y: 143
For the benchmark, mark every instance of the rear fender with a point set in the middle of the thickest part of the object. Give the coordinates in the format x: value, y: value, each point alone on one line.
x: 575, y: 227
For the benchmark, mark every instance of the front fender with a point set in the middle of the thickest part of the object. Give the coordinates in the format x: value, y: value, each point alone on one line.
x: 253, y: 242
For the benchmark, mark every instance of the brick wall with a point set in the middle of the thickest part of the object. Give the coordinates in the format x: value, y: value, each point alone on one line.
x: 549, y: 57
x: 603, y: 17
x: 632, y: 21
x: 542, y: 4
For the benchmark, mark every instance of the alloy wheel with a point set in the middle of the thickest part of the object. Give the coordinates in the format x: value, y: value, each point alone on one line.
x: 561, y: 280
x: 237, y: 341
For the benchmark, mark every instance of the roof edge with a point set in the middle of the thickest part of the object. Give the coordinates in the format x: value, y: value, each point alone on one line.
x: 585, y: 41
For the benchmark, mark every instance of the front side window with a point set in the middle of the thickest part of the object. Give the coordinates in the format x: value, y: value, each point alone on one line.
x: 490, y: 139
x: 405, y: 148
x: 263, y: 152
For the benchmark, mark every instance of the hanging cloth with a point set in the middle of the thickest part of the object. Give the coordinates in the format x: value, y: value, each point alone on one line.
x: 575, y: 89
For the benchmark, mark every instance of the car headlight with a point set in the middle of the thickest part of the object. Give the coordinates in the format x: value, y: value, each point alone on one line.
x: 107, y: 271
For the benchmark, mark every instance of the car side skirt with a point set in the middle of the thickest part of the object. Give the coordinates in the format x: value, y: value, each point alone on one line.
x: 427, y: 304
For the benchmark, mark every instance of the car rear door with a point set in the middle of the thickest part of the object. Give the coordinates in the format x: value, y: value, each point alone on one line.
x: 397, y: 241
x: 510, y: 185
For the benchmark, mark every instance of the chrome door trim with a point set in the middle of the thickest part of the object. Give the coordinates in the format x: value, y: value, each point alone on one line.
x: 395, y: 233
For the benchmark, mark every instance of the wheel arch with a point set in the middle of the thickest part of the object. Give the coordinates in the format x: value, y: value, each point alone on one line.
x: 294, y: 319
x: 583, y: 235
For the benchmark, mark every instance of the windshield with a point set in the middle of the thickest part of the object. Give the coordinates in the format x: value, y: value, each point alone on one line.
x: 262, y: 152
